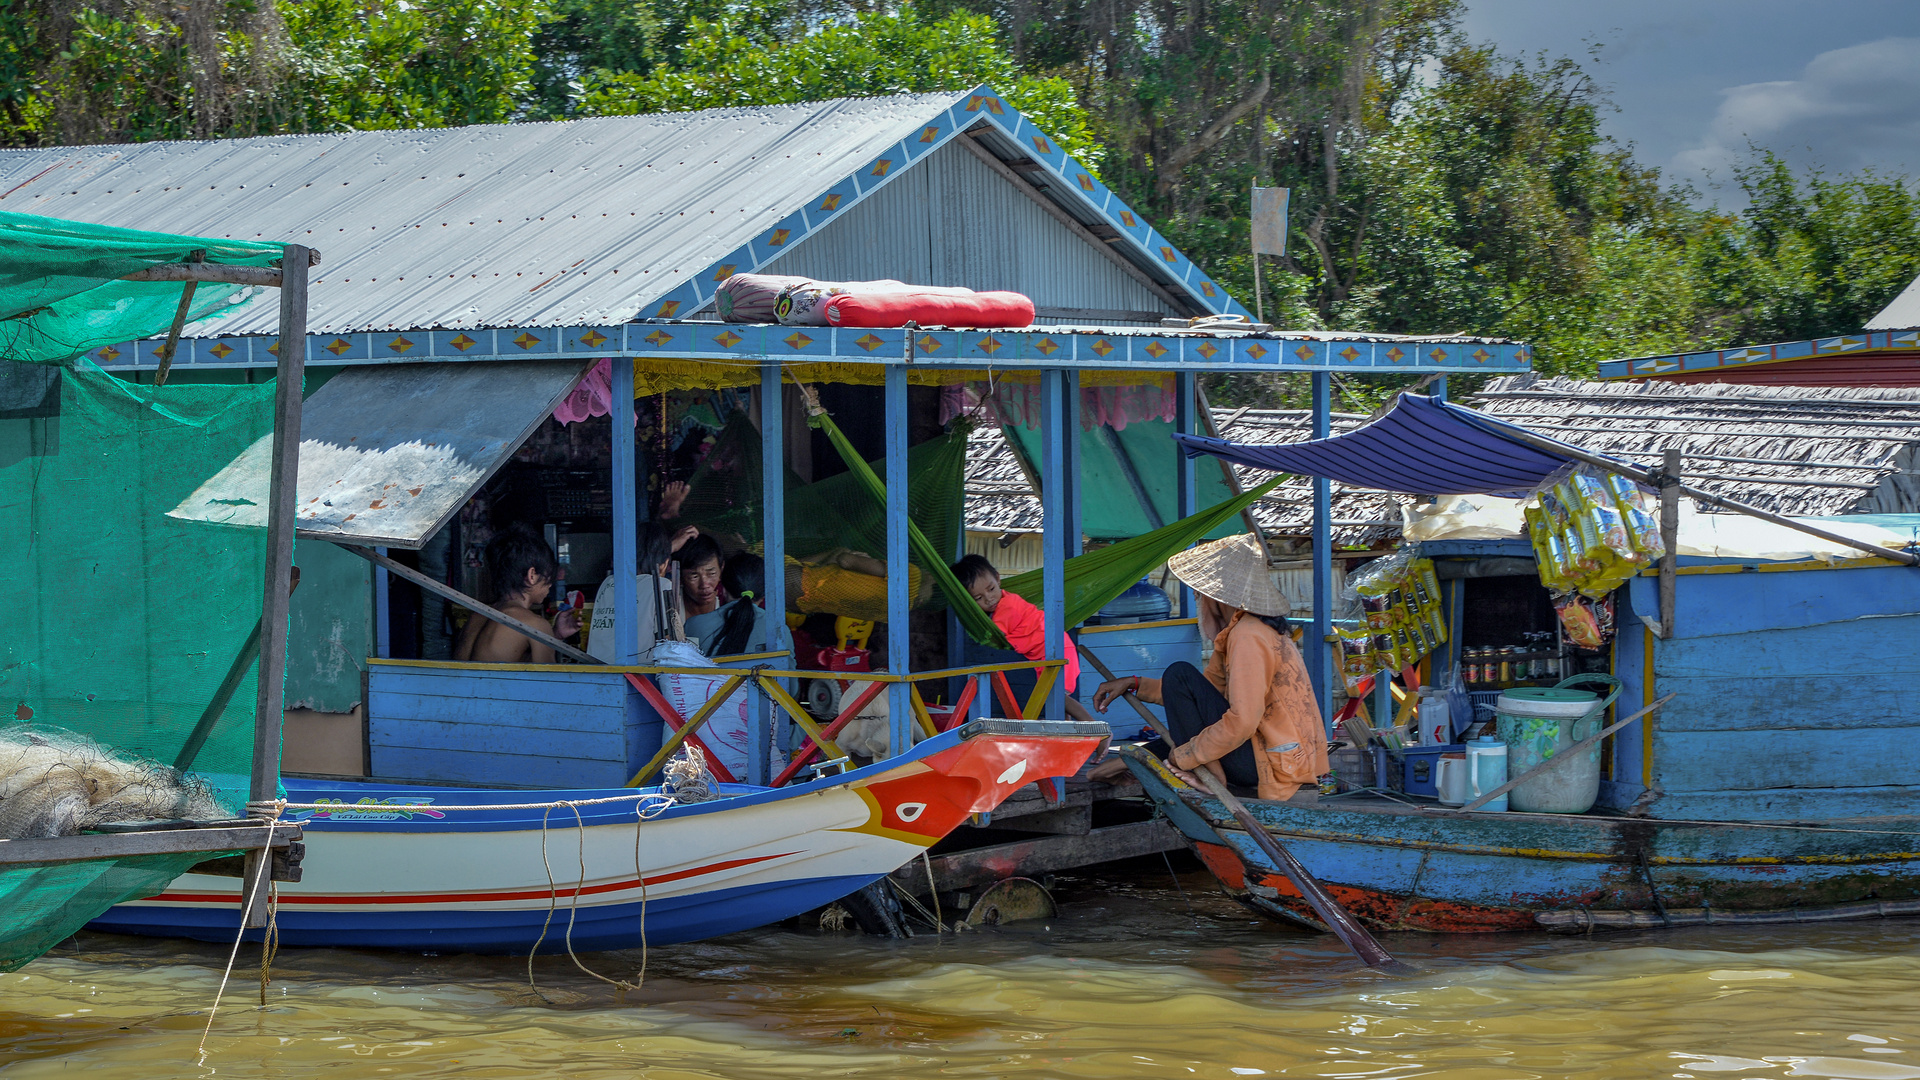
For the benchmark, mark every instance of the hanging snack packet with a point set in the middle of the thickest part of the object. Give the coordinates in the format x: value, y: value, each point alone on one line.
x: 1429, y: 584
x: 1356, y: 658
x: 1636, y: 508
x: 1385, y: 656
x: 1597, y: 504
x: 1577, y: 622
x: 1379, y: 617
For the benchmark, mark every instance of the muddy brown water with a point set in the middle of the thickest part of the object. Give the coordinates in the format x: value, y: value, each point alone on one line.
x: 1131, y: 979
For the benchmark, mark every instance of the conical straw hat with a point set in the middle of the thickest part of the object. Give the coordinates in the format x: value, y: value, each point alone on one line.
x: 1232, y: 571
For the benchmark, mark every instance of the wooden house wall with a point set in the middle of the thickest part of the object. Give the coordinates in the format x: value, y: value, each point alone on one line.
x: 506, y: 725
x: 1798, y: 694
x: 949, y: 220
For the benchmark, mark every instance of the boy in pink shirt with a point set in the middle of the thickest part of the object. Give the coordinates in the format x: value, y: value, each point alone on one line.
x: 1024, y: 625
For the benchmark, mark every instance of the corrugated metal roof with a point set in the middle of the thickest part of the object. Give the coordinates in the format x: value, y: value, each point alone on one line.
x: 1902, y: 313
x: 548, y: 224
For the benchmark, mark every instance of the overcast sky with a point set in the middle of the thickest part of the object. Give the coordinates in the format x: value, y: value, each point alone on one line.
x: 1833, y: 83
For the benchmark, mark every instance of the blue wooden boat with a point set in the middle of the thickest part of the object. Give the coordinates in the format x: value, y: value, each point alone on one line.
x: 1780, y: 782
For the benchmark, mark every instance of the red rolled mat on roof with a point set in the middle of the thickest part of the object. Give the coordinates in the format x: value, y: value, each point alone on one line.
x: 1000, y: 310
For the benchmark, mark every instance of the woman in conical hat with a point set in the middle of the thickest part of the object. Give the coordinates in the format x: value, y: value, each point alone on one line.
x: 1251, y: 716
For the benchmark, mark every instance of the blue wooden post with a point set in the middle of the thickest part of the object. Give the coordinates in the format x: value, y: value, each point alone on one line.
x: 626, y: 540
x: 1318, y: 667
x: 1070, y: 391
x: 982, y: 698
x: 382, y: 617
x: 1186, y: 497
x: 899, y: 598
x: 1054, y: 519
x: 1438, y: 388
x: 773, y: 530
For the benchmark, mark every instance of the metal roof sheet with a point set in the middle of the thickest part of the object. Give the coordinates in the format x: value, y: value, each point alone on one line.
x: 539, y: 224
x: 1902, y: 312
x: 388, y: 453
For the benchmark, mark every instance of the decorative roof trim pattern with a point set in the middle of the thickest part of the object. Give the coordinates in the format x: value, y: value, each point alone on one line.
x: 1865, y: 342
x: 739, y: 343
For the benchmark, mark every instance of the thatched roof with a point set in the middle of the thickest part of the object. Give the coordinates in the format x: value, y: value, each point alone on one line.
x: 1800, y: 451
x: 1000, y: 500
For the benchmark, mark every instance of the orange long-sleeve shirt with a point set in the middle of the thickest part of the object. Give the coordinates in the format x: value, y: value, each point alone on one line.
x: 1269, y: 700
x: 1026, y: 629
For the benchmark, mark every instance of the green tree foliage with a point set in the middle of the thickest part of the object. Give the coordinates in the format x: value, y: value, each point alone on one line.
x: 722, y: 64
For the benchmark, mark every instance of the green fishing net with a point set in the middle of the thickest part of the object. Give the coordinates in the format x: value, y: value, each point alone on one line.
x: 126, y: 622
x: 59, y: 293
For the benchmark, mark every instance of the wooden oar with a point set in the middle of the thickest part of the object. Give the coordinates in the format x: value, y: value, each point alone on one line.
x: 1584, y: 744
x: 1337, y: 918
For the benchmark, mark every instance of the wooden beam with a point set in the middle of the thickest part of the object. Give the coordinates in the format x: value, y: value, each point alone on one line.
x: 1074, y: 225
x: 442, y: 589
x: 266, y: 276
x: 1670, y: 537
x: 61, y: 849
x: 1025, y: 858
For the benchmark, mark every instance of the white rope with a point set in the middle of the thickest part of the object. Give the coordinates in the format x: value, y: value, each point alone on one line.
x: 643, y: 814
x: 265, y: 863
x: 282, y: 804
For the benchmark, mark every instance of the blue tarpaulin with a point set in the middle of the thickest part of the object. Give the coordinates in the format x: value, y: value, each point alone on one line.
x: 1423, y: 446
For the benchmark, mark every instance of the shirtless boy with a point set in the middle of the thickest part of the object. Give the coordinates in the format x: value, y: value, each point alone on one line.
x: 522, y: 567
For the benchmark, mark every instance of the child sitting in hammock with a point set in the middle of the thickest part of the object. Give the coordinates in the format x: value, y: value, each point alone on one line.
x: 1024, y: 625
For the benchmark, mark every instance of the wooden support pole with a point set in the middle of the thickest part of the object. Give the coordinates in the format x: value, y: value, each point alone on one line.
x: 899, y: 598
x: 1669, y: 536
x: 269, y: 712
x: 174, y: 331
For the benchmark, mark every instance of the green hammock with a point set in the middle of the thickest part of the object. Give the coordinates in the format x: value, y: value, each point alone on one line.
x: 1092, y: 580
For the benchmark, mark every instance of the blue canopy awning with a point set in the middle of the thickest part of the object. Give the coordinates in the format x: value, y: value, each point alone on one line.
x: 1424, y: 446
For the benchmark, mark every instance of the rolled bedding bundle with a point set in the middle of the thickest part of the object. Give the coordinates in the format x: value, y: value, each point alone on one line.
x: 750, y: 298
x: 804, y: 303
x: 997, y: 310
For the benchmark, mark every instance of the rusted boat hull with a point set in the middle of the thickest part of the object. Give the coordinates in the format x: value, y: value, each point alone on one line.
x: 1442, y: 871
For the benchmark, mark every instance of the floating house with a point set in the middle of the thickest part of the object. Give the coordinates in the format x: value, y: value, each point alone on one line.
x: 557, y: 244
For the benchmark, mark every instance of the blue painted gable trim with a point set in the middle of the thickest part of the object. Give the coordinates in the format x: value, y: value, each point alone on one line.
x: 1865, y: 342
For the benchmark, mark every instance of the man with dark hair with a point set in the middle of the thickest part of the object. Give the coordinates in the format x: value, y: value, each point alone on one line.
x: 523, y: 569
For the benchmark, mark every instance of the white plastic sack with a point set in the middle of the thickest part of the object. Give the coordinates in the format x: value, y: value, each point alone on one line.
x: 726, y: 731
x: 1464, y: 517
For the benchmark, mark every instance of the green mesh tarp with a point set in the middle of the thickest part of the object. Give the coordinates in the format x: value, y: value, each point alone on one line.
x: 126, y: 621
x: 59, y: 293
x: 43, y: 905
